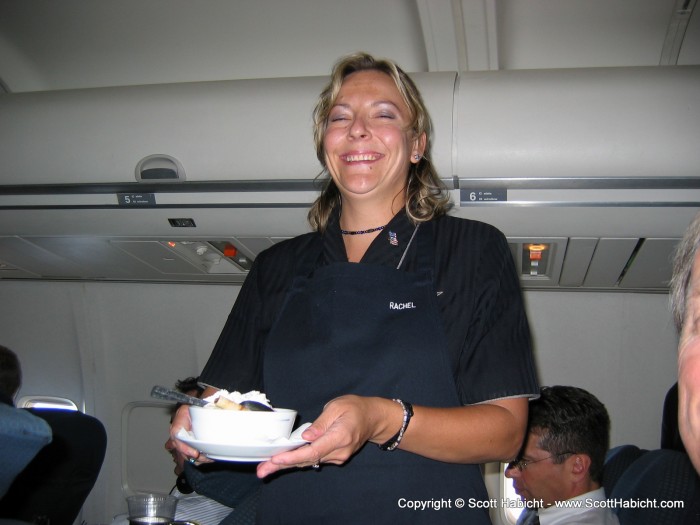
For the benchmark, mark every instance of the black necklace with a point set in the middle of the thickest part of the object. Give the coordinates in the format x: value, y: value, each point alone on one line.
x: 362, y: 232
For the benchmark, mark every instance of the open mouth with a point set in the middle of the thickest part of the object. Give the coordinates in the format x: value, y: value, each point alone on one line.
x: 361, y: 157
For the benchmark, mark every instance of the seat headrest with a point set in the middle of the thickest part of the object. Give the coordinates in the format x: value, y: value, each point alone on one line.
x: 654, y: 480
x: 616, y: 462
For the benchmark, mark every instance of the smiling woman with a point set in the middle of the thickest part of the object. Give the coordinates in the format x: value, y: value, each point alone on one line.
x: 408, y: 393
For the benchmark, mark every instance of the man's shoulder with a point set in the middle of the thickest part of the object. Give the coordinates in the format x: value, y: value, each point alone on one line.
x: 584, y: 509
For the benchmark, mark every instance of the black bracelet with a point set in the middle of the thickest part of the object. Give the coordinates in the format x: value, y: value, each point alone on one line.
x: 396, y: 439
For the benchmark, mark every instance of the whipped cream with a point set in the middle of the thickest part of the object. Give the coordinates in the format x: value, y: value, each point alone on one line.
x: 237, y: 397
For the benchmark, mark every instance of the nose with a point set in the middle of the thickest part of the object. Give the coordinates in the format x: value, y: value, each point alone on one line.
x: 359, y: 128
x: 512, y: 472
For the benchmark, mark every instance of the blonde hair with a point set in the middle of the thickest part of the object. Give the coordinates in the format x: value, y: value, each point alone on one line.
x: 426, y: 195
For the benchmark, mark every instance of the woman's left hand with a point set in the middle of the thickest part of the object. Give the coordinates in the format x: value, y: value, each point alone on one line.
x: 345, y: 424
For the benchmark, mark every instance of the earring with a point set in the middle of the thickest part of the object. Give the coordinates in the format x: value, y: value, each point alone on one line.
x: 416, y: 156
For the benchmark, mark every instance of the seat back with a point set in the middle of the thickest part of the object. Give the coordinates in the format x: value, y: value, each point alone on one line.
x: 654, y: 480
x: 56, y: 483
x: 670, y: 435
x: 617, y: 460
x: 22, y: 436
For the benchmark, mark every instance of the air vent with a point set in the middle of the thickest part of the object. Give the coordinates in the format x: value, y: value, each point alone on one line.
x: 182, y: 223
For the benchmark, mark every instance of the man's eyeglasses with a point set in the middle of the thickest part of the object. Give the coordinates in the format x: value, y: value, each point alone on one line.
x: 521, y: 464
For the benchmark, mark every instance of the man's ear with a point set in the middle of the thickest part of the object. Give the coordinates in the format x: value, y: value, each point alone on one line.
x: 580, y: 465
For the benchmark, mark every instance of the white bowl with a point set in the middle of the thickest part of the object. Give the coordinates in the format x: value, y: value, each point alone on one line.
x: 215, y: 425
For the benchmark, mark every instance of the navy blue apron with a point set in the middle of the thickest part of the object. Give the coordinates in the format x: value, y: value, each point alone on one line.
x: 369, y: 330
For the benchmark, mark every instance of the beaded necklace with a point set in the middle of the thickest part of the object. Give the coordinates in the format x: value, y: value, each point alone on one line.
x: 362, y: 232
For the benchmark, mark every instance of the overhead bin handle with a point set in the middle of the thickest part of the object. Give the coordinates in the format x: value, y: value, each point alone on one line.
x: 159, y: 167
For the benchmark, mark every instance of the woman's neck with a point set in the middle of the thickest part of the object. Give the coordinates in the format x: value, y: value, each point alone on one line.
x: 355, y: 220
x: 358, y: 217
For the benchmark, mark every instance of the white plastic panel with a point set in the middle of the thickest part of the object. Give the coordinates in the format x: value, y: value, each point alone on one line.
x: 228, y: 130
x: 578, y: 256
x: 606, y: 122
x: 216, y: 130
x: 146, y: 466
x: 652, y: 266
x: 609, y: 261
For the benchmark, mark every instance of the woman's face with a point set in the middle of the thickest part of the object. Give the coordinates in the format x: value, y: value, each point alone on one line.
x: 368, y: 144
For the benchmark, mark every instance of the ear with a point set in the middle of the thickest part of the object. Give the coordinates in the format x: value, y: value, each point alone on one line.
x: 418, y: 148
x: 580, y: 465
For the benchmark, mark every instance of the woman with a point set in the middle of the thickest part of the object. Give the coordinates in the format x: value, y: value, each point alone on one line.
x: 414, y: 365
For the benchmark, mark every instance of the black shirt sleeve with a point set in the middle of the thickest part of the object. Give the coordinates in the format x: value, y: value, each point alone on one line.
x: 481, y: 305
x: 236, y: 363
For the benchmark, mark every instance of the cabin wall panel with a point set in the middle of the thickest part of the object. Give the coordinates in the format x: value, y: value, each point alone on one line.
x: 619, y: 346
x: 151, y: 334
x: 117, y: 339
x: 40, y: 324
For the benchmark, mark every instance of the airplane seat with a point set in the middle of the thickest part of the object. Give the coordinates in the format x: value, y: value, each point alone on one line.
x: 655, y: 479
x: 617, y: 460
x: 670, y: 434
x: 22, y: 437
x: 56, y: 483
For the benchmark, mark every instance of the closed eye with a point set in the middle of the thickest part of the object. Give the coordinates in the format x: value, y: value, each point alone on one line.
x: 337, y: 118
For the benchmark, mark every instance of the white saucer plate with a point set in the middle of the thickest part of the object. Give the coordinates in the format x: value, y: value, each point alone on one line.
x: 244, y: 452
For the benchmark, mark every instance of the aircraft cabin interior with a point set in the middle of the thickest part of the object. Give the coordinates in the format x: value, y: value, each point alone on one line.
x: 150, y: 150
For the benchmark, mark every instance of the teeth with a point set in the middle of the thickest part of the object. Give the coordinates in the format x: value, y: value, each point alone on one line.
x: 360, y: 158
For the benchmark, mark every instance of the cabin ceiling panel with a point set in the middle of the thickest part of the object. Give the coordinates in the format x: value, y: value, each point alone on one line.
x: 76, y: 44
x: 689, y: 52
x: 96, y: 43
x: 550, y: 34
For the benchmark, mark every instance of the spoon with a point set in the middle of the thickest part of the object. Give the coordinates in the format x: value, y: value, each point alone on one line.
x: 161, y: 392
x: 255, y: 406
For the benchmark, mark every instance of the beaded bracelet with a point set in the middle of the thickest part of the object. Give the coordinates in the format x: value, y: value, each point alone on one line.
x: 396, y: 439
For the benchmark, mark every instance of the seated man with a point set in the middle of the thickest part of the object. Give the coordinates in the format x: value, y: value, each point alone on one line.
x: 685, y: 305
x: 54, y: 485
x: 560, y: 466
x: 22, y: 435
x: 10, y: 376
